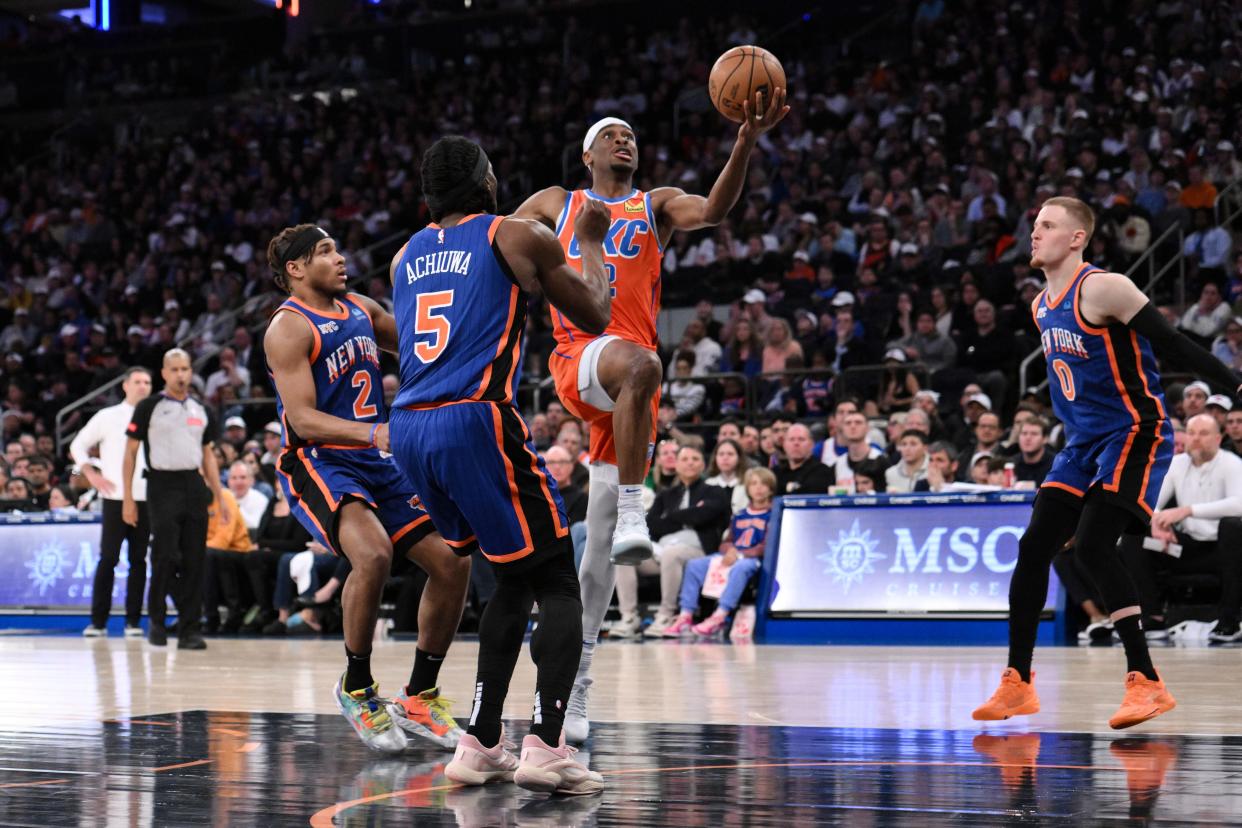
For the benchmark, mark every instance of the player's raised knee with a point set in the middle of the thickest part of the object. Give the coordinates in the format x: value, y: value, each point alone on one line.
x: 644, y: 371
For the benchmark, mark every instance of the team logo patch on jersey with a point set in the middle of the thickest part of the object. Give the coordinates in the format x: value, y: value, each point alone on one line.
x: 357, y: 314
x: 328, y: 327
x: 416, y: 502
x: 1041, y: 313
x: 635, y: 206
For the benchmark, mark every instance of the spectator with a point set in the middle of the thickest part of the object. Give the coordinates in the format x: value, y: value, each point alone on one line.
x: 251, y: 501
x: 1209, y: 248
x: 1194, y: 399
x: 740, y: 557
x: 686, y: 519
x: 869, y: 477
x: 928, y: 345
x: 857, y: 449
x: 664, y: 470
x: 561, y: 466
x: 18, y: 490
x: 686, y: 394
x: 1207, y: 483
x: 1207, y: 318
x: 780, y: 346
x: 1219, y: 406
x: 39, y: 475
x: 1035, y: 460
x: 569, y: 437
x: 60, y: 500
x: 228, y: 374
x: 898, y: 384
x: 802, y: 472
x: 1228, y: 347
x: 1199, y: 193
x: 727, y: 470
x: 227, y: 546
x: 279, y: 532
x: 988, y: 351
x: 744, y: 353
x: 707, y: 351
x: 1233, y: 432
x: 902, y: 477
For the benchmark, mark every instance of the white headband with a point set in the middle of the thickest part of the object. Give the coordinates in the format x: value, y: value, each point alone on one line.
x: 599, y: 125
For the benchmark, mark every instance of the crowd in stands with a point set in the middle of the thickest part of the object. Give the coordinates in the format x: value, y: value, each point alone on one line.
x: 879, y: 253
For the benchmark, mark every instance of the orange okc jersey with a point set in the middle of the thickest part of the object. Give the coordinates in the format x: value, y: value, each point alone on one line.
x: 632, y: 254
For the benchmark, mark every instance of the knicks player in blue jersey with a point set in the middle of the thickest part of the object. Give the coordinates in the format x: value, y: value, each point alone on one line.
x: 322, y: 348
x: 461, y: 288
x: 1098, y: 332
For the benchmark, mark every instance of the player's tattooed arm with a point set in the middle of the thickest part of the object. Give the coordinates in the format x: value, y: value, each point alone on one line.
x: 1110, y: 298
x: 677, y: 210
x: 289, y: 344
x: 544, y: 207
x: 537, y: 263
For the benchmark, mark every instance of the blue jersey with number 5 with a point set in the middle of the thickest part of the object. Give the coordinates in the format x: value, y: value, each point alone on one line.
x: 1102, y: 380
x: 461, y: 316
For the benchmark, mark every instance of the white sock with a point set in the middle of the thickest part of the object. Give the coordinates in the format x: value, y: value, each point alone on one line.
x: 584, y: 663
x: 630, y: 498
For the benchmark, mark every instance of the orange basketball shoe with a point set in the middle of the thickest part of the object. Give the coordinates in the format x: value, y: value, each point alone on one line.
x: 1146, y: 763
x: 1014, y: 697
x: 1145, y: 699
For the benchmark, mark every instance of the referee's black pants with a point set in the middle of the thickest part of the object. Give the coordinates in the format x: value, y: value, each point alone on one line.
x: 178, y: 502
x: 115, y: 532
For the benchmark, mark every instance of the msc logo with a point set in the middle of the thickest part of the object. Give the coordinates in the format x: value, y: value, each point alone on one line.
x: 47, y: 566
x: 849, y: 557
x: 621, y: 241
x: 328, y: 327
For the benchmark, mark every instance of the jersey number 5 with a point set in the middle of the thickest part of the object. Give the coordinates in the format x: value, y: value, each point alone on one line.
x: 428, y: 323
x: 1066, y: 378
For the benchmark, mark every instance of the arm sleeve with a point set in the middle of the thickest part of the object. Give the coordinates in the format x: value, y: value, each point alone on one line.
x: 141, y: 420
x: 1181, y: 350
x: 1230, y: 505
x: 90, y: 435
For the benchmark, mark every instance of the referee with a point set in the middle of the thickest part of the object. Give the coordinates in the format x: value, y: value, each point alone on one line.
x: 177, y: 435
x: 107, y: 431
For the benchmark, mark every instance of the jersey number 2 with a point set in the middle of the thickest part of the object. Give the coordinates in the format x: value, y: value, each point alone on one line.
x: 362, y: 408
x: 1066, y: 378
x: 429, y: 323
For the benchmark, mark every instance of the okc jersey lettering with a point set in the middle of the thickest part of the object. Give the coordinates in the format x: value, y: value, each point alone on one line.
x: 619, y: 242
x: 352, y: 351
x: 632, y: 257
x: 443, y: 261
x: 1061, y: 341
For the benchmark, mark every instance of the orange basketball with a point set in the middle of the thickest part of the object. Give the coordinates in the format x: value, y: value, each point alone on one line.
x: 738, y: 74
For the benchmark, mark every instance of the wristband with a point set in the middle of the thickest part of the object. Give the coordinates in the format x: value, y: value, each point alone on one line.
x: 374, y: 428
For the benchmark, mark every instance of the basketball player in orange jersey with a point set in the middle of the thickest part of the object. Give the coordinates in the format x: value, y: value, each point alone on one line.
x: 612, y: 381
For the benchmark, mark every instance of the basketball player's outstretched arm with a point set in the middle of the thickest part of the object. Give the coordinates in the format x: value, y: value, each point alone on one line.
x: 676, y: 210
x: 1112, y: 297
x: 538, y: 263
x: 288, y: 344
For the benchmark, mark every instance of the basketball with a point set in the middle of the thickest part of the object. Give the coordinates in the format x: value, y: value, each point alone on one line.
x: 738, y: 74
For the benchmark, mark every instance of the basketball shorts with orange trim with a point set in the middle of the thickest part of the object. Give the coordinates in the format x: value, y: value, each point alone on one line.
x: 317, y: 481
x: 565, y: 366
x: 1127, y: 466
x: 481, y: 480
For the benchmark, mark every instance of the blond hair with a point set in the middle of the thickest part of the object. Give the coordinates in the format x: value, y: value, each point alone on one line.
x: 764, y: 476
x: 1078, y: 210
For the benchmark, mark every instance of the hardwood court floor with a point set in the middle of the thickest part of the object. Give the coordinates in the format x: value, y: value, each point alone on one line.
x: 114, y: 732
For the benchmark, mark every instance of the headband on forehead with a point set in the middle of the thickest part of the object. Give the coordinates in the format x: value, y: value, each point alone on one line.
x: 463, y: 187
x: 301, y: 244
x: 598, y: 126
